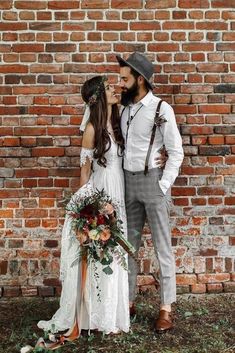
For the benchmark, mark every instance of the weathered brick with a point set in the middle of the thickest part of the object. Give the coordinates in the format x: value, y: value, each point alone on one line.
x: 29, y: 291
x: 9, y: 291
x: 214, y: 287
x: 225, y: 89
x: 214, y: 151
x: 45, y: 63
x: 46, y: 291
x: 229, y: 287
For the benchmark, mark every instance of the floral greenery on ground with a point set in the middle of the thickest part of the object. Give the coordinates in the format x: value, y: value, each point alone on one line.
x: 204, y: 324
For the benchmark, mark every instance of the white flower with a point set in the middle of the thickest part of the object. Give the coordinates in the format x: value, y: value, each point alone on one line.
x: 94, y: 234
x: 26, y: 349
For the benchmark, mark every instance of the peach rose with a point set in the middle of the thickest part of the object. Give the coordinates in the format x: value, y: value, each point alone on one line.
x: 105, y: 234
x: 81, y: 236
x: 107, y: 209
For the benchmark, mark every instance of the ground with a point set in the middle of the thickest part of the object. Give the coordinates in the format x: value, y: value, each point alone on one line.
x: 203, y: 324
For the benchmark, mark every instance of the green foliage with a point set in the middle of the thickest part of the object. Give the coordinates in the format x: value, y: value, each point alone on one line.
x: 201, y: 326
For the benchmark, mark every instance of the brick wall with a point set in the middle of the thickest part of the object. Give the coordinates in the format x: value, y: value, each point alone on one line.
x: 47, y: 50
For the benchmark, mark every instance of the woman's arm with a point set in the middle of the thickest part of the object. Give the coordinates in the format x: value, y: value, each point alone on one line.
x: 87, y: 144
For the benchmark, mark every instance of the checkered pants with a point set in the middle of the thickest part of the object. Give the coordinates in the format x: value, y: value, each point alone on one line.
x: 144, y: 199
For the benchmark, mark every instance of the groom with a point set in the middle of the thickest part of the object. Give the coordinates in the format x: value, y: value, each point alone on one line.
x: 147, y: 187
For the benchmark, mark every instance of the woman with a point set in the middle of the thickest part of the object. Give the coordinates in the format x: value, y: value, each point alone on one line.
x: 101, y: 168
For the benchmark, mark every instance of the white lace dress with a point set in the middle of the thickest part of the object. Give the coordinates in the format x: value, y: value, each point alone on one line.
x: 111, y: 314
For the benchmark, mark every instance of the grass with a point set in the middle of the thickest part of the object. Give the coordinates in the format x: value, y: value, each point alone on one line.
x: 203, y: 324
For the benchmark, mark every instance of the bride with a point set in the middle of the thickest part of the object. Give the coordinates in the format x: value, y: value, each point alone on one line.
x: 101, y: 168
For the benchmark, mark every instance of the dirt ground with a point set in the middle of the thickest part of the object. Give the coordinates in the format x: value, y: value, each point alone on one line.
x: 203, y: 324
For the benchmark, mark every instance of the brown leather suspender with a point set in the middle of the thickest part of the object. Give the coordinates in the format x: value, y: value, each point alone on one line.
x: 156, y: 124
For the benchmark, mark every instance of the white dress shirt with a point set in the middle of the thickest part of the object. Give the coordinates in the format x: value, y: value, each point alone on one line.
x: 137, y: 138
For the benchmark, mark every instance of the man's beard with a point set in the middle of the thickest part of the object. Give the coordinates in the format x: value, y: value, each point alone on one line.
x: 129, y: 94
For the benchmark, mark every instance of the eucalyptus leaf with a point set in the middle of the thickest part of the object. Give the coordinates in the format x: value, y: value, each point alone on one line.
x: 107, y: 270
x: 107, y: 260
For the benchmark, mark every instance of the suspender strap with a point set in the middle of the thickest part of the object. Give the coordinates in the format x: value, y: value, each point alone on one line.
x: 152, y: 136
x: 120, y: 120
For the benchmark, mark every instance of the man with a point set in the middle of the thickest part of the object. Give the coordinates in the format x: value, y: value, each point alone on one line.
x: 148, y: 187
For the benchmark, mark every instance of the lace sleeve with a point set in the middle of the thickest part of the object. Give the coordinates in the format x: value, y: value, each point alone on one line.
x: 86, y: 153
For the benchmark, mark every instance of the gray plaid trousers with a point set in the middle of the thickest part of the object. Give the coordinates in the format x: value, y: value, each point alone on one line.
x: 144, y: 198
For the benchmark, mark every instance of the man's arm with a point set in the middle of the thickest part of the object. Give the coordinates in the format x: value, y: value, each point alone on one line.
x: 173, y: 145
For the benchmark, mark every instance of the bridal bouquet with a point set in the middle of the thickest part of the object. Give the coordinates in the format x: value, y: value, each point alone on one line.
x: 98, y: 229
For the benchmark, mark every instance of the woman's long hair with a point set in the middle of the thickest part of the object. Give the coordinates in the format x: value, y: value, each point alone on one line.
x: 93, y: 93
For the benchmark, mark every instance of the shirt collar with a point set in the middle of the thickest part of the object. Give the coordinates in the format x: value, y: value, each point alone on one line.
x: 146, y: 100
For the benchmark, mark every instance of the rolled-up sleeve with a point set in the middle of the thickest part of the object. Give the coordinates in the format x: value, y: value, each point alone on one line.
x: 173, y: 144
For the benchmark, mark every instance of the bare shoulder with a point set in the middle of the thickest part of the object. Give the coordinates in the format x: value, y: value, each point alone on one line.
x: 88, y: 137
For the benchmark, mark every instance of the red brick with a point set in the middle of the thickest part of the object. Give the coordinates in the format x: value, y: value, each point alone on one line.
x: 31, y: 173
x: 183, y: 279
x: 181, y: 202
x: 214, y: 25
x: 186, y: 191
x: 212, y: 67
x: 210, y: 190
x: 228, y: 15
x: 222, y: 3
x: 120, y: 4
x: 214, y: 287
x: 160, y: 4
x: 32, y: 223
x: 229, y: 201
x: 49, y: 223
x: 229, y: 159
x: 213, y: 278
x: 215, y: 108
x: 199, y: 201
x: 230, y: 140
x: 193, y: 4
x: 13, y: 68
x: 163, y: 47
x: 197, y: 170
x: 10, y: 291
x: 6, y: 5
x: 215, y: 200
x: 48, y: 152
x: 198, y: 288
x: 215, y: 160
x: 178, y: 25
x: 198, y: 47
x: 216, y: 140
x: 112, y: 26
x: 3, y: 267
x: 94, y: 4
x: 62, y: 5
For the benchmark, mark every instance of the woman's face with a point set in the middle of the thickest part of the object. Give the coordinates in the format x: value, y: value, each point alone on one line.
x: 110, y: 94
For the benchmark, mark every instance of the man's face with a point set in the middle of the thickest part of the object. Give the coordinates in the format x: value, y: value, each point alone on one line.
x: 128, y: 85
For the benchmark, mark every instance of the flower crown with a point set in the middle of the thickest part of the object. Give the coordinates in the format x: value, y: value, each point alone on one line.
x: 100, y: 88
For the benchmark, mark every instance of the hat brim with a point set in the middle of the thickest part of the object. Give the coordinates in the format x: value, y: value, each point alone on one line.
x: 126, y: 63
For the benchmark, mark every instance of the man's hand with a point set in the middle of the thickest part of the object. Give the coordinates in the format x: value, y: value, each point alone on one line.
x: 161, y: 160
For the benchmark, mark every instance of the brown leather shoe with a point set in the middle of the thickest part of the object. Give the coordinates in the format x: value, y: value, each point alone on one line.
x: 132, y: 310
x: 164, y: 322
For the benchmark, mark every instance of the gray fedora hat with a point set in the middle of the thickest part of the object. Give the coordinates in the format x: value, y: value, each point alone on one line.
x: 139, y: 63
